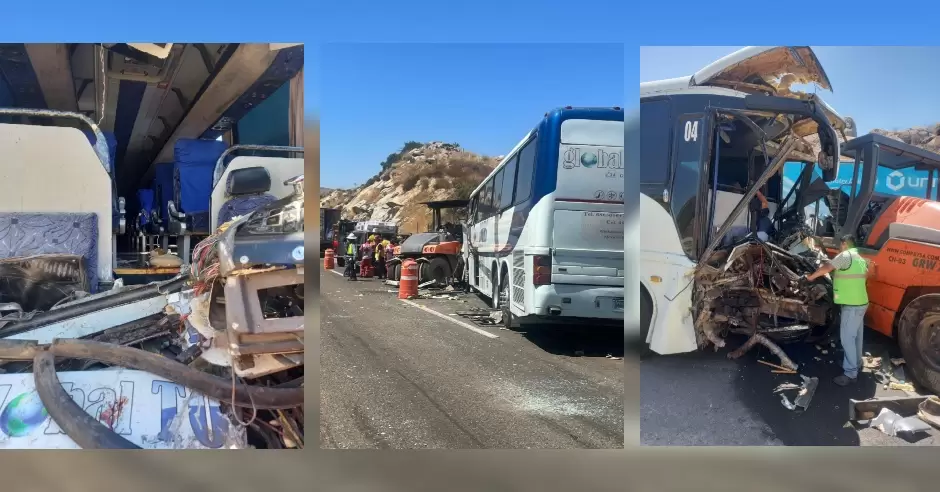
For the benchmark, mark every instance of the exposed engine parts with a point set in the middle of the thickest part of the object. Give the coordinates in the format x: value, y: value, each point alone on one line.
x: 759, y: 290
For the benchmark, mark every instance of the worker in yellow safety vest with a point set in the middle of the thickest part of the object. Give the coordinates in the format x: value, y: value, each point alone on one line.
x: 351, y: 251
x: 849, y: 286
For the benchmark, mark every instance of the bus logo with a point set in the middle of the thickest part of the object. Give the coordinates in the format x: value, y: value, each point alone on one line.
x: 574, y: 157
x: 588, y: 159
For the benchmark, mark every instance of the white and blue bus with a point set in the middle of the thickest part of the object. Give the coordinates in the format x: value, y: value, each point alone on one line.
x: 545, y: 239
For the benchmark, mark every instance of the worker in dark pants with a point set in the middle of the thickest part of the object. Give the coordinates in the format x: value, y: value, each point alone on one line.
x: 351, y: 253
x: 849, y: 287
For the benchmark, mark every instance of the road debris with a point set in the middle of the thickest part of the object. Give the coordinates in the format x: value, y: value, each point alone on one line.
x: 804, y: 395
x: 786, y: 387
x: 786, y: 402
x: 929, y: 411
x: 870, y: 362
x: 901, y: 386
x: 893, y: 424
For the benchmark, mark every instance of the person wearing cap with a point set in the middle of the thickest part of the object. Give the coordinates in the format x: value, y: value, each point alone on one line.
x: 351, y: 250
x: 850, y: 274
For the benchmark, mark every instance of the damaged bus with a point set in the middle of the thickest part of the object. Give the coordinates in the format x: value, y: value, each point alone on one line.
x: 151, y: 203
x: 713, y: 146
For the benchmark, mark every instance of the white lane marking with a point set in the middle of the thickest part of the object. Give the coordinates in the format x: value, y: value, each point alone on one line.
x: 444, y: 316
x: 336, y: 272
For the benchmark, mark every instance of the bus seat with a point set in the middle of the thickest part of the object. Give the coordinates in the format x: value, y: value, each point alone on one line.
x: 194, y: 163
x: 248, y: 189
x: 117, y: 212
x: 112, y: 147
x: 145, y: 215
x: 28, y: 234
x: 163, y: 191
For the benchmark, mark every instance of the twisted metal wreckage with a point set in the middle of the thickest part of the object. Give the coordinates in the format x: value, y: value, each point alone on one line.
x: 177, y: 347
x: 757, y: 288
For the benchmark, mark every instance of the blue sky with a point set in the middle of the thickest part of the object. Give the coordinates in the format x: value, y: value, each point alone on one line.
x: 375, y: 97
x: 879, y: 87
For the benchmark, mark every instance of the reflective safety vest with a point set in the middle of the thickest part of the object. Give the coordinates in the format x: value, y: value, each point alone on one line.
x: 351, y: 249
x: 848, y: 286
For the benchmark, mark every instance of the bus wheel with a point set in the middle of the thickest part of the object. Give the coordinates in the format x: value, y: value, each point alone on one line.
x: 503, y: 303
x: 919, y: 338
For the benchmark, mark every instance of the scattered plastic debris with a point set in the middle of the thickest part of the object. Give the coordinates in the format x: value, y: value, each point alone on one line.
x: 929, y: 411
x: 893, y: 424
x: 804, y: 396
x: 786, y: 387
x: 870, y: 362
x: 901, y: 386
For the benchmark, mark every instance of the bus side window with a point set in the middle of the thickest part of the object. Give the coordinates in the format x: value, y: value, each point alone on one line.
x: 486, y: 199
x: 509, y: 184
x: 526, y: 165
x: 656, y: 127
x: 498, y: 190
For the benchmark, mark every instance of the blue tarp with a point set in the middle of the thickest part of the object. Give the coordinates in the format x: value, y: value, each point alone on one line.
x: 163, y: 189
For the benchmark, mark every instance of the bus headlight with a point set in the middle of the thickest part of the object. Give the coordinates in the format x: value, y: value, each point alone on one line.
x: 278, y: 220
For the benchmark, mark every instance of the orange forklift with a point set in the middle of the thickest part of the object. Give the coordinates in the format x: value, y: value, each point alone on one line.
x: 436, y: 251
x: 900, y: 235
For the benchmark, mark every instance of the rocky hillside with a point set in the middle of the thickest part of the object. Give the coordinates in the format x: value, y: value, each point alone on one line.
x: 416, y: 173
x: 925, y: 137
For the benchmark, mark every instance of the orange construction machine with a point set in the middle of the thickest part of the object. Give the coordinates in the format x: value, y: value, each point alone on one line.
x: 436, y: 251
x: 900, y: 235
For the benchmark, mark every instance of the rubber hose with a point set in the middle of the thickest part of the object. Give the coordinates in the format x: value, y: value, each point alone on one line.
x: 247, y: 396
x: 84, y: 429
x: 82, y: 308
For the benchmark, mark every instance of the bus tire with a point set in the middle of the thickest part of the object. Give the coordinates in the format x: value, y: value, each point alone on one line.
x: 396, y: 272
x: 919, y: 339
x: 494, y: 288
x: 646, y: 319
x: 503, y: 299
x: 340, y: 261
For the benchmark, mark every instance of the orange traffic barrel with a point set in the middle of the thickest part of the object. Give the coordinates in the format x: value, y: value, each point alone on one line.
x: 329, y: 259
x: 408, y: 284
